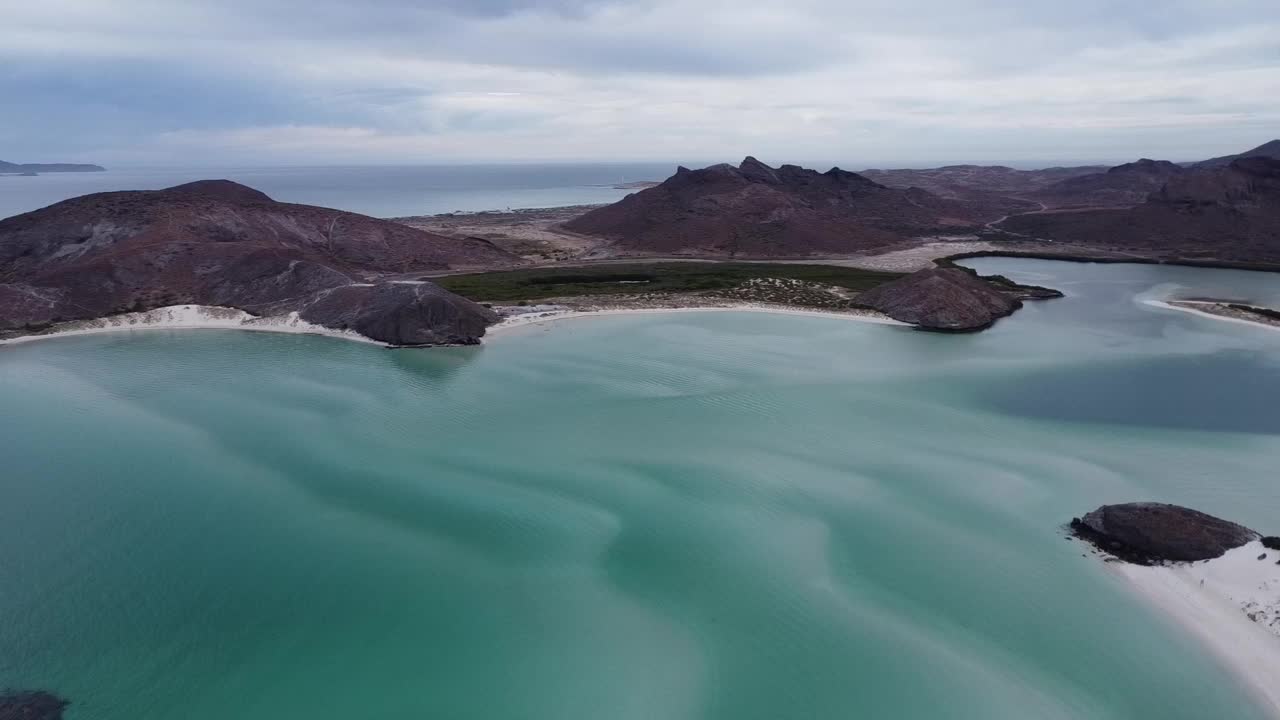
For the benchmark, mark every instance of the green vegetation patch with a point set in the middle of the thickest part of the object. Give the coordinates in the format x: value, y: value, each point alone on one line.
x: 632, y: 278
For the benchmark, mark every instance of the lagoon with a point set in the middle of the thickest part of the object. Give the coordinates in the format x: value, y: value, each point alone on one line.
x: 719, y: 515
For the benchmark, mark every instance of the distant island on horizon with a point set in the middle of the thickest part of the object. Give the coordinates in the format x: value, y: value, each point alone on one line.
x: 8, y: 168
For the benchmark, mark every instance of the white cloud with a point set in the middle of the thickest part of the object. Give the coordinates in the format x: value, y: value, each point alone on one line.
x: 857, y: 82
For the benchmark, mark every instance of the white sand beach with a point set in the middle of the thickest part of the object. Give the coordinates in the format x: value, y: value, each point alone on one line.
x: 1231, y: 604
x: 208, y: 317
x: 1182, y: 307
x: 190, y: 317
x: 536, y: 318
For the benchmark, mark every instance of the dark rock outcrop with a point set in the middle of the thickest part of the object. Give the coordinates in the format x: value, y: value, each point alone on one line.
x: 33, y: 705
x: 212, y: 242
x: 1151, y: 533
x: 754, y: 210
x: 402, y: 314
x: 942, y: 299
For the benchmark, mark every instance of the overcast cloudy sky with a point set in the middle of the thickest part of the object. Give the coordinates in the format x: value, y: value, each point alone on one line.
x: 419, y: 81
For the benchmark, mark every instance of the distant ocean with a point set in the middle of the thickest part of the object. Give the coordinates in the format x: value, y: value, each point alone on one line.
x: 381, y: 191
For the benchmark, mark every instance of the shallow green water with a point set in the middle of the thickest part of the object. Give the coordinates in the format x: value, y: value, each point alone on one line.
x: 720, y: 515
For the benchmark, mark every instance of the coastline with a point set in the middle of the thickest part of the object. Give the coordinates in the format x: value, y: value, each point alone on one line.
x: 1213, y: 600
x: 190, y: 317
x: 1167, y: 305
x: 539, y: 318
x: 209, y: 317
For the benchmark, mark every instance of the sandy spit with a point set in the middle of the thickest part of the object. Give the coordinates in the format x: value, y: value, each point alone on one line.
x: 1212, y: 316
x: 1231, y: 604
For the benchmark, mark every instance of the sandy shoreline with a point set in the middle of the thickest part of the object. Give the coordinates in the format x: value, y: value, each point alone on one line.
x: 1231, y: 604
x: 538, y: 318
x: 191, y: 317
x: 1167, y: 305
x: 207, y: 317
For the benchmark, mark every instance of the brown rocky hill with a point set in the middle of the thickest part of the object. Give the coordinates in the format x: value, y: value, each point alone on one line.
x: 208, y: 243
x: 1269, y: 149
x: 754, y: 210
x: 992, y: 189
x: 1120, y: 186
x: 1229, y: 214
x: 966, y: 182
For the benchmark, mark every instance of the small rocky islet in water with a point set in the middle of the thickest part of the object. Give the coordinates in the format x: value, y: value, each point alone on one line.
x: 31, y: 705
x: 1148, y: 533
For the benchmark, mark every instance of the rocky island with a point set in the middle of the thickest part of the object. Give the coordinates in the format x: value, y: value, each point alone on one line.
x: 1218, y: 579
x: 1154, y: 533
x: 8, y: 168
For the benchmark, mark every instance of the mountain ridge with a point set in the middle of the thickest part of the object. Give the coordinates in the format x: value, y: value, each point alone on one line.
x: 756, y: 210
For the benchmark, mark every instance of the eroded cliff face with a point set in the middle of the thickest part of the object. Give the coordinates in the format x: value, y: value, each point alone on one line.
x: 218, y: 243
x: 1148, y: 533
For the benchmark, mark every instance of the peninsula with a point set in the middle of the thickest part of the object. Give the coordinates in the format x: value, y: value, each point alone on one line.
x: 108, y: 259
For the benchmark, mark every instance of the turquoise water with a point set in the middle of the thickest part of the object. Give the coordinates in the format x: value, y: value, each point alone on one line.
x: 702, y: 515
x: 381, y: 191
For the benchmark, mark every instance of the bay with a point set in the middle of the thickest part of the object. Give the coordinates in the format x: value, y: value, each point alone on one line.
x: 719, y: 515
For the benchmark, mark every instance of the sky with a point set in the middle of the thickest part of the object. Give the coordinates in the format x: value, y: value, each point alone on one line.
x: 859, y: 83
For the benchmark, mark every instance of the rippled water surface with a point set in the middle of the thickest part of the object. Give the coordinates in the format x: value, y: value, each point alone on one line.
x: 720, y: 515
